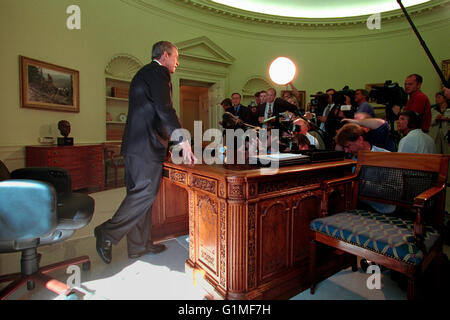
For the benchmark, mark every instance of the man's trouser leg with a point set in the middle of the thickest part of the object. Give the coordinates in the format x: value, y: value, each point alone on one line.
x: 133, y: 218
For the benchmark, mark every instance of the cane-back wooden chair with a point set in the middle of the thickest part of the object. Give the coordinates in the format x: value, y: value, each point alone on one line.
x: 407, y: 240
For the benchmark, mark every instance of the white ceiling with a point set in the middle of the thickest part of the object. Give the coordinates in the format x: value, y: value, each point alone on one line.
x: 318, y: 8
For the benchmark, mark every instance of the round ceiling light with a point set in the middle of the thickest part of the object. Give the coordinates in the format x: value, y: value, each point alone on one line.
x: 282, y: 70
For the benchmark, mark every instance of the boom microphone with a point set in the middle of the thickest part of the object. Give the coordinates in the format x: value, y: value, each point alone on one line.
x: 230, y: 121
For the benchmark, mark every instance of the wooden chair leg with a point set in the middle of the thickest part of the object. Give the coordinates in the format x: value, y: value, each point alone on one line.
x: 354, y: 263
x: 411, y: 289
x: 106, y: 175
x: 437, y: 270
x: 312, y: 265
x: 116, y: 174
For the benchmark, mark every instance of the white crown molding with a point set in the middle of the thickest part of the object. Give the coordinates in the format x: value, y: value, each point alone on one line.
x: 223, y: 10
x: 255, y: 25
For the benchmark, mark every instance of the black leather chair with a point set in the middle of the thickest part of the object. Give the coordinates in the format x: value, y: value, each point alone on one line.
x: 38, y: 207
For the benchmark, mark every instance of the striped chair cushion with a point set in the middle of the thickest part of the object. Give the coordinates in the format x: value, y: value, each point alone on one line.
x: 388, y: 235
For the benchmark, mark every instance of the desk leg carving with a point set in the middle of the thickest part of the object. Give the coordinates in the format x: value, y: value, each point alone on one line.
x: 251, y: 280
x: 237, y: 227
x: 223, y: 245
x: 191, y: 227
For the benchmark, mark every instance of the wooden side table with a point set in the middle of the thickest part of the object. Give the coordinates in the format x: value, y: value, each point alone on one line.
x: 84, y: 162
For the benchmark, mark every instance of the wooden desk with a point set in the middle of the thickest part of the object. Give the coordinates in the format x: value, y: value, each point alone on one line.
x: 249, y: 233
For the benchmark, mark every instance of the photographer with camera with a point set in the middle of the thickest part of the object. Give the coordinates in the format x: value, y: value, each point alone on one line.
x: 318, y: 102
x: 322, y: 114
x: 301, y: 126
x: 376, y: 130
x: 394, y: 98
x: 341, y: 109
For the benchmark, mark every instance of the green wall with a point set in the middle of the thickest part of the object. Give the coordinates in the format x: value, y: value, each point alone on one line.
x: 326, y: 57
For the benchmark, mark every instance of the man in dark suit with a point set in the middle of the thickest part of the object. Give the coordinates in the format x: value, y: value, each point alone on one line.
x: 252, y: 110
x: 273, y: 107
x: 238, y: 109
x: 150, y: 123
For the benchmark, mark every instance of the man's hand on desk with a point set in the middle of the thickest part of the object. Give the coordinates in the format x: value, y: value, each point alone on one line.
x: 186, y: 151
x: 188, y: 155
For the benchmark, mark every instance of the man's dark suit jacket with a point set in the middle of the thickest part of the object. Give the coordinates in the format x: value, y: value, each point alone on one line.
x: 242, y: 112
x: 279, y: 105
x: 151, y: 117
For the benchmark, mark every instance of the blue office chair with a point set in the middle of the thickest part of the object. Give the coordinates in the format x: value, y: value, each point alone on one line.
x: 38, y: 207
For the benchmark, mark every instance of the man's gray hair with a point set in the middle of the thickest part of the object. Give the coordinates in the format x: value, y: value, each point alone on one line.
x: 364, y: 92
x: 161, y: 46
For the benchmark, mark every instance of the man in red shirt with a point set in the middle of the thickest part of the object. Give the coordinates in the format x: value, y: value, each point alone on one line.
x: 418, y: 101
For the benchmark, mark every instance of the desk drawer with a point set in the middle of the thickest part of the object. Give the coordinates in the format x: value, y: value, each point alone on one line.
x: 84, y: 162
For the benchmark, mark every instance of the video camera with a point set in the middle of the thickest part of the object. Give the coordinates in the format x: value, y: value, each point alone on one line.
x: 339, y: 99
x: 347, y: 92
x: 315, y: 98
x: 389, y: 94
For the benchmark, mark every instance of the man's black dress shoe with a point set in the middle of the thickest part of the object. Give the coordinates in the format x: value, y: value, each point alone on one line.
x: 151, y: 248
x: 104, y: 246
x: 156, y: 248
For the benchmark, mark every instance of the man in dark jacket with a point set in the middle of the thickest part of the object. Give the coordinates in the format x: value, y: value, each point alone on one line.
x: 150, y: 123
x: 238, y: 109
x: 272, y: 108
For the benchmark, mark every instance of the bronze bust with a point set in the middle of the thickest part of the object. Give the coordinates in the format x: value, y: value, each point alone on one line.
x: 64, y: 128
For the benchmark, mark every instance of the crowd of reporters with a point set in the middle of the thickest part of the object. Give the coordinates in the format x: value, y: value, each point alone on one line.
x: 408, y: 123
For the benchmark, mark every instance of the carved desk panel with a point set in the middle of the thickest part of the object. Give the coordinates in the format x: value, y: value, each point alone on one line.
x: 249, y: 232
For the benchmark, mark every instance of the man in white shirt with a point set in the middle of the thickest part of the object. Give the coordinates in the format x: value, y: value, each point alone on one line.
x: 352, y: 138
x: 266, y: 109
x: 272, y: 108
x: 414, y: 140
x: 302, y: 127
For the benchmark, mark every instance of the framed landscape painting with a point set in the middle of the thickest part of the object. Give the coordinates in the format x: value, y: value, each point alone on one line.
x: 47, y: 86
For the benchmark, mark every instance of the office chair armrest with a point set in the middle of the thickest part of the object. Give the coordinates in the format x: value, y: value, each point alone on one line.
x: 59, y: 178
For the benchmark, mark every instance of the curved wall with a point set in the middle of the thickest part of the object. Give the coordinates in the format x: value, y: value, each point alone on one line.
x: 328, y: 54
